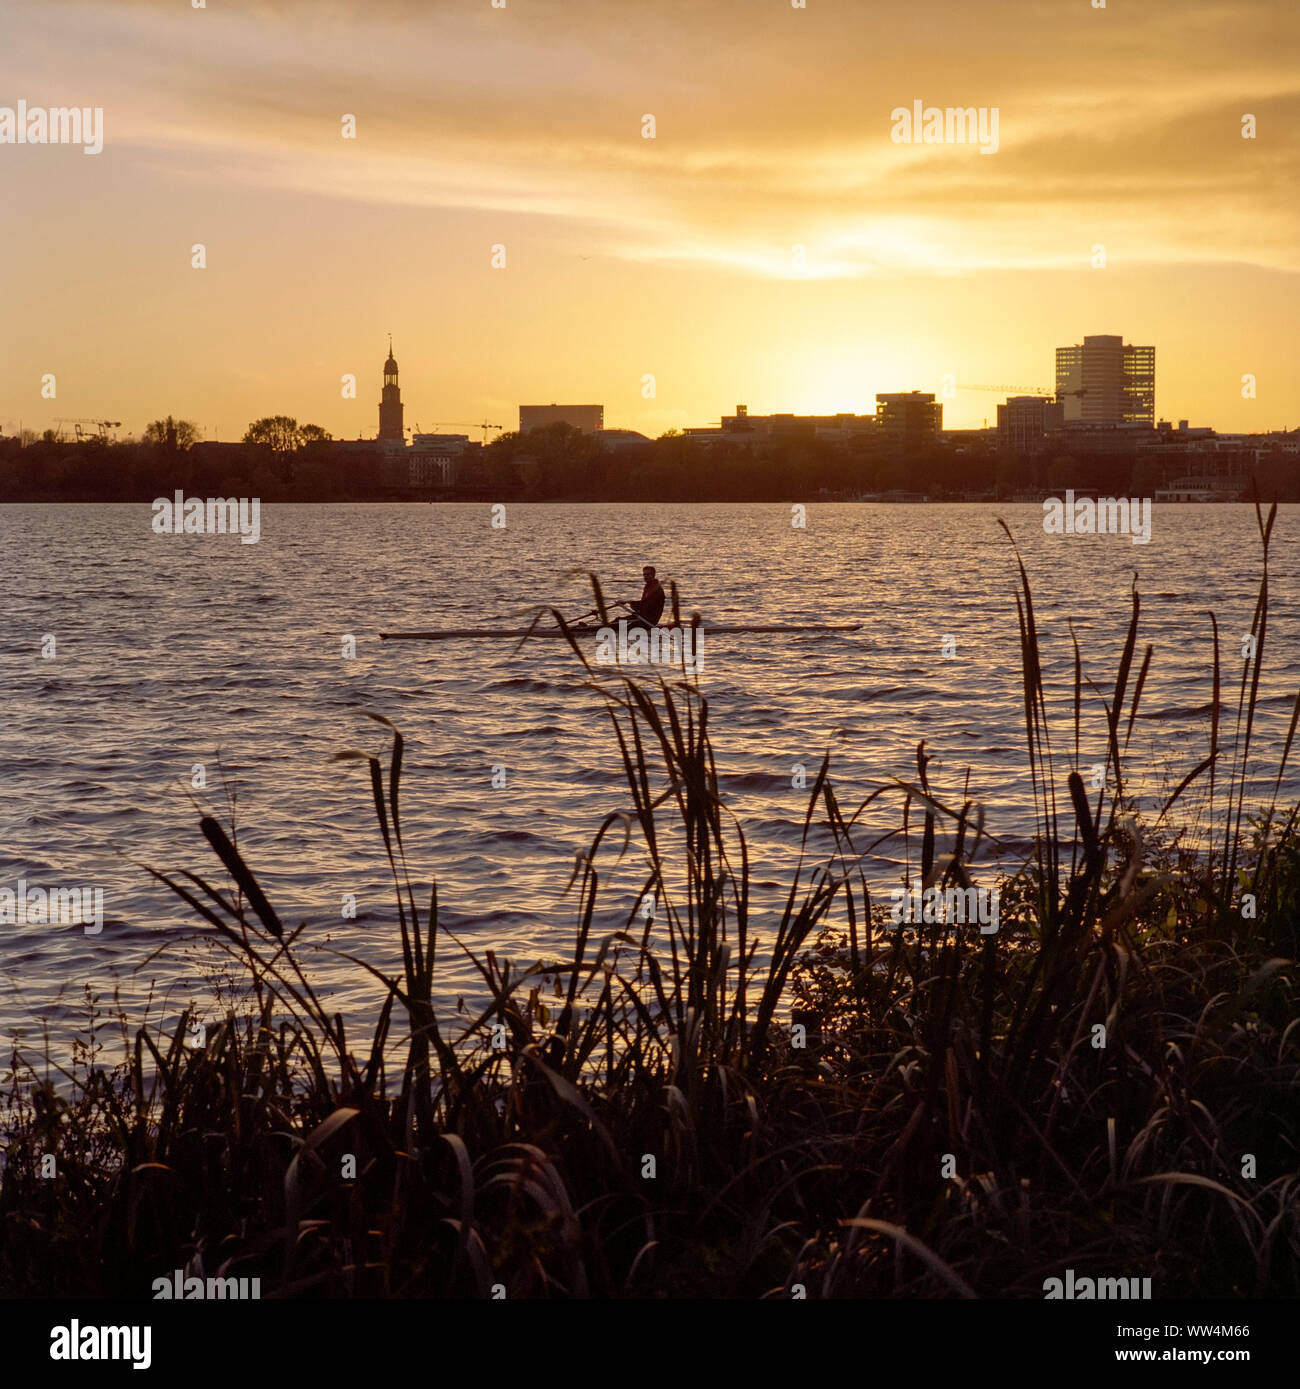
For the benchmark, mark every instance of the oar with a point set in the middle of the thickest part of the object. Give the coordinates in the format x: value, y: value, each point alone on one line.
x: 592, y: 613
x: 570, y: 621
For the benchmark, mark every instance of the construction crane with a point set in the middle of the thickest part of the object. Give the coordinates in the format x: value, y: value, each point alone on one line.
x: 1023, y: 390
x: 101, y: 427
x: 471, y: 424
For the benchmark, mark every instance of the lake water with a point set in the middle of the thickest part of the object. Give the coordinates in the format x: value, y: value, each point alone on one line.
x: 170, y: 651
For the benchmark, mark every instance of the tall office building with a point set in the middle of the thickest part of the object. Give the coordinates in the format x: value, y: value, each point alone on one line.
x: 588, y: 418
x: 1104, y: 380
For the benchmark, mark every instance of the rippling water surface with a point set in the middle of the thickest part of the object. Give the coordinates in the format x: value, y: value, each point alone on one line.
x: 173, y: 651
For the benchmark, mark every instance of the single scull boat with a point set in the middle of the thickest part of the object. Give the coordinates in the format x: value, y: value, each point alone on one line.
x: 586, y: 629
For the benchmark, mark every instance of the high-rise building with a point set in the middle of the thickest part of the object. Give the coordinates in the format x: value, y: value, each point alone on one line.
x: 390, y: 404
x: 588, y: 418
x: 1104, y: 380
x: 908, y: 414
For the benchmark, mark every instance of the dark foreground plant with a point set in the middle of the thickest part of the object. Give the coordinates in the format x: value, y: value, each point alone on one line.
x: 715, y: 1102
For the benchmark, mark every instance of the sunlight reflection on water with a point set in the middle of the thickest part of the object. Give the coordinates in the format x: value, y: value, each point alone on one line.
x: 177, y: 651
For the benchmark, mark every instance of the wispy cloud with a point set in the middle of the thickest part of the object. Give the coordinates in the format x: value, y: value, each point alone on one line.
x: 773, y: 129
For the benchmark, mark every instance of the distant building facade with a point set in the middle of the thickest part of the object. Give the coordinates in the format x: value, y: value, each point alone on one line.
x: 1104, y: 380
x: 908, y: 415
x: 390, y: 404
x: 1024, y: 420
x: 437, y: 459
x: 1199, y: 464
x: 621, y: 440
x: 742, y: 422
x: 742, y: 427
x: 1085, y: 438
x: 588, y: 418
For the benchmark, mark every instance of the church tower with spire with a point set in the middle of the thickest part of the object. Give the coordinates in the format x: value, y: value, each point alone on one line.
x: 390, y: 405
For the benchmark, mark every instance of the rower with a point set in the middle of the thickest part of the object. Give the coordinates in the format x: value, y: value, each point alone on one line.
x: 650, y: 605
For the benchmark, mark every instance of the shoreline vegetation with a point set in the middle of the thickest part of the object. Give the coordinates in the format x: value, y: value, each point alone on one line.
x: 284, y: 462
x: 1105, y: 1085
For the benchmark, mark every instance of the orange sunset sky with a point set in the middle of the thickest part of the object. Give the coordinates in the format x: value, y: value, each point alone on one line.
x: 626, y: 256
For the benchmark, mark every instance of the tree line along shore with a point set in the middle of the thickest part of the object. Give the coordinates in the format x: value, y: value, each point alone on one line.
x: 280, y: 460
